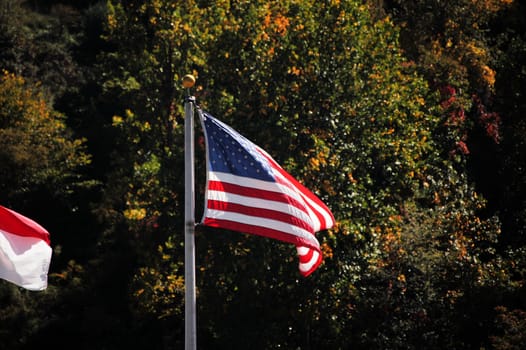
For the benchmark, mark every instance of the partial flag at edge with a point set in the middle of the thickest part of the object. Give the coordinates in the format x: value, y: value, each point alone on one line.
x: 25, y: 251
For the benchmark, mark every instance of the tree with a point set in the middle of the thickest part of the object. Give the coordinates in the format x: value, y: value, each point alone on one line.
x: 481, y: 43
x: 38, y: 45
x: 41, y: 165
x: 383, y: 135
x: 36, y: 146
x: 326, y: 90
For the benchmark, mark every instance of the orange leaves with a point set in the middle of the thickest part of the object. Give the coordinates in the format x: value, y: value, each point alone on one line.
x: 488, y: 75
x: 327, y: 187
x: 275, y: 22
x: 326, y: 250
x: 281, y: 24
x: 491, y: 6
x: 321, y: 156
x: 315, y: 163
x: 294, y: 71
x: 389, y: 132
x: 275, y: 25
x: 390, y: 237
x: 351, y: 178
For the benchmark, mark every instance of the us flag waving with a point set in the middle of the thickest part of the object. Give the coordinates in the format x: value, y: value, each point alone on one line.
x: 247, y: 191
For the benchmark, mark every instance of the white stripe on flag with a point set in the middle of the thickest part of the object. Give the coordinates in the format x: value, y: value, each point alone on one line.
x: 24, y: 260
x: 304, y: 267
x: 255, y: 183
x: 258, y: 203
x: 315, y: 210
x: 264, y: 222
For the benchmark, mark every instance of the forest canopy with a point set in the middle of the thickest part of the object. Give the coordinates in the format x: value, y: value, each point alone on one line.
x: 405, y: 118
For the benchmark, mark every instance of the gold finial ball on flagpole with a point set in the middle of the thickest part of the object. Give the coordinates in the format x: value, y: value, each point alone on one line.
x: 188, y: 81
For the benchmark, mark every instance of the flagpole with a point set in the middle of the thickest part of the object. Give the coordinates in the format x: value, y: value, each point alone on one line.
x: 189, y: 217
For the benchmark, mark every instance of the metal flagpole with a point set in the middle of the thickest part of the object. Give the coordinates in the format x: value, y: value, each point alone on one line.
x: 189, y: 218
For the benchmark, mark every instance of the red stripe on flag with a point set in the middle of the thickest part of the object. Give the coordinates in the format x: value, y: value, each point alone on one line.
x: 306, y: 257
x: 313, y: 267
x: 260, y: 231
x: 19, y: 225
x: 292, y: 182
x: 259, y: 212
x: 254, y: 192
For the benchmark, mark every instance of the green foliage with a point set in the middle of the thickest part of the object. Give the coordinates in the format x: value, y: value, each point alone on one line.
x: 326, y: 90
x: 36, y: 146
x: 390, y: 139
x: 37, y: 45
x: 21, y: 313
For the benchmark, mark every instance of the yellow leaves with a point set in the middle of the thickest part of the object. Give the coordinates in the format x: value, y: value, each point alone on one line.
x: 488, y: 75
x: 320, y: 160
x: 135, y: 214
x: 117, y: 120
x: 375, y: 76
x: 33, y: 136
x: 130, y: 120
x: 321, y: 156
x: 341, y: 228
x: 436, y: 49
x: 391, y: 237
x: 474, y: 50
x: 112, y: 21
x: 420, y: 100
x: 159, y: 293
x: 299, y: 27
x: 186, y: 27
x: 175, y: 283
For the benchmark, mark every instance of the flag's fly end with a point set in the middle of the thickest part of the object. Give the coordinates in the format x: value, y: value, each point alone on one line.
x: 25, y: 251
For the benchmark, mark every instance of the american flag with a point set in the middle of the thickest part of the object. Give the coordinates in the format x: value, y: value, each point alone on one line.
x: 247, y: 191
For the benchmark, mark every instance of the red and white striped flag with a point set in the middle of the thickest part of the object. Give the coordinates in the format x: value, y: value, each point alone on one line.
x: 25, y: 251
x: 248, y: 191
